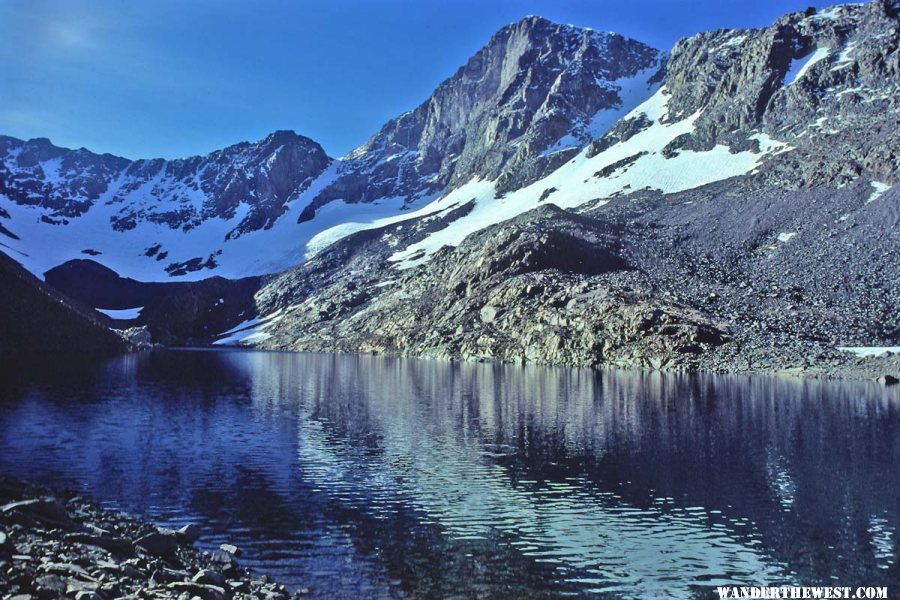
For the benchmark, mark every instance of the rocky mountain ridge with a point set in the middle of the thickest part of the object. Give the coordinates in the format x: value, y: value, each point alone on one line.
x: 157, y: 218
x: 534, y: 96
x: 523, y: 105
x: 729, y: 206
x: 770, y: 267
x: 262, y: 175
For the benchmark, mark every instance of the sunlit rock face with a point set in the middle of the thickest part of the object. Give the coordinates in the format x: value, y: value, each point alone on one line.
x: 519, y: 108
x: 180, y: 193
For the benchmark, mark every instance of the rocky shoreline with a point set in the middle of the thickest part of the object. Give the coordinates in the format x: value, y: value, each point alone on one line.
x: 60, y: 545
x: 814, y: 363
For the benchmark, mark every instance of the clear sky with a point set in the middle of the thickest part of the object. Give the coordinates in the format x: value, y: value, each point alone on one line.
x: 165, y: 78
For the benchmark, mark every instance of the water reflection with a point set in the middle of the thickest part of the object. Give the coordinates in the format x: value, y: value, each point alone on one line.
x: 392, y: 477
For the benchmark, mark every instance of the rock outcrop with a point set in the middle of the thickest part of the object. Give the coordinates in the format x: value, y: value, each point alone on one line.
x: 675, y: 282
x: 531, y: 290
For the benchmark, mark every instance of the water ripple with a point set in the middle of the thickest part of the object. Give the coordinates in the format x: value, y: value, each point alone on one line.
x: 397, y: 478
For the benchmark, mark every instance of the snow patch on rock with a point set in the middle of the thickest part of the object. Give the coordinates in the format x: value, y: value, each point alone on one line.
x: 250, y: 332
x: 787, y: 236
x: 878, y: 190
x: 866, y: 351
x: 800, y: 66
x: 123, y: 314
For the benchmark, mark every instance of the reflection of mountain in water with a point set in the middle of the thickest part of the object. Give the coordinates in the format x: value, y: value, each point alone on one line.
x: 623, y: 481
x: 365, y: 475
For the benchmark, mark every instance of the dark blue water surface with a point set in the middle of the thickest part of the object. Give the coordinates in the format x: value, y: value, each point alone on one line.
x: 360, y: 476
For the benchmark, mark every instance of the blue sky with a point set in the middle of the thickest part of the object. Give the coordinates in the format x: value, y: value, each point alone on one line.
x: 167, y: 78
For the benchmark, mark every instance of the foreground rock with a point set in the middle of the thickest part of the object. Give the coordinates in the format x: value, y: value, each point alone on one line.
x: 63, y: 546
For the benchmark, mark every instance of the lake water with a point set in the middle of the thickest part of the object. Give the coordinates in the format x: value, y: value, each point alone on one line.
x: 367, y: 477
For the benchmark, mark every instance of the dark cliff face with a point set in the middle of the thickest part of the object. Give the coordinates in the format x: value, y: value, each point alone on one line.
x: 174, y: 313
x: 180, y: 194
x: 37, y: 321
x: 534, y: 83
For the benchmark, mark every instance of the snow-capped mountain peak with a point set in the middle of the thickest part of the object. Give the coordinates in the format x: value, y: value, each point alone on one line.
x: 543, y: 113
x: 518, y: 109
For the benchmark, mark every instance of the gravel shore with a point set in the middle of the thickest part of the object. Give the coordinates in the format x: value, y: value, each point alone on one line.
x: 60, y: 545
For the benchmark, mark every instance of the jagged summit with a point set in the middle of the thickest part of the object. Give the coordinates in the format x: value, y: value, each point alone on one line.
x: 521, y: 106
x: 537, y: 21
x: 280, y: 137
x: 528, y: 21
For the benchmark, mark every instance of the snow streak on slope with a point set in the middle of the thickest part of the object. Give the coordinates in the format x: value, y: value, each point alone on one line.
x: 44, y: 245
x: 249, y: 332
x: 878, y: 190
x: 800, y: 66
x: 632, y: 91
x: 867, y: 351
x: 124, y: 314
x: 633, y: 165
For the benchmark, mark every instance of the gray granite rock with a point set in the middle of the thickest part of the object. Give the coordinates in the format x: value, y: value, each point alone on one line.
x: 534, y: 83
